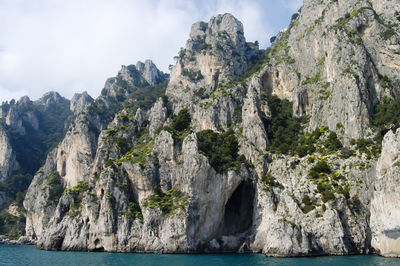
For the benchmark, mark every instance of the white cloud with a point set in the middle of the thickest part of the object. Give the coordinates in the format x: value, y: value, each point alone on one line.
x: 72, y: 46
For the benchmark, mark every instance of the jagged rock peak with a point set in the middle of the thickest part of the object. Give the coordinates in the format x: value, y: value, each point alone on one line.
x: 150, y: 72
x: 142, y: 73
x: 139, y: 75
x: 215, y: 53
x: 213, y: 30
x: 51, y: 98
x: 24, y: 100
x: 79, y: 102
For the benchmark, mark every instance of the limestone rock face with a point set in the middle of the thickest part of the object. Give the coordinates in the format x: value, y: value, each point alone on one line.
x: 150, y: 72
x: 37, y: 203
x: 79, y: 102
x: 385, y: 211
x: 130, y: 178
x: 215, y: 53
x: 331, y: 59
x: 8, y: 163
x: 50, y: 99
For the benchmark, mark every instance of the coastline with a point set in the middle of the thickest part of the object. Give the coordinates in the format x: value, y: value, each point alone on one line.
x: 26, y: 241
x: 23, y: 240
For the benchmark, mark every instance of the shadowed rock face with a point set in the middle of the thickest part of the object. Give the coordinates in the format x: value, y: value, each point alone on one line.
x: 239, y: 210
x: 141, y: 180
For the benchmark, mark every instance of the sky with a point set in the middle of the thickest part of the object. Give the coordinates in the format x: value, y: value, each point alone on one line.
x: 73, y: 46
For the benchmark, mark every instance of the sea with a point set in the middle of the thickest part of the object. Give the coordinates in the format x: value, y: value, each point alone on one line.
x: 29, y: 255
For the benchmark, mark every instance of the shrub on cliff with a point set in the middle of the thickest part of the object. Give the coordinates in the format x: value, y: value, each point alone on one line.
x: 221, y: 149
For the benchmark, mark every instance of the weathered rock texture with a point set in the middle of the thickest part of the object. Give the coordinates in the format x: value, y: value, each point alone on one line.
x: 132, y: 180
x: 79, y: 101
x: 385, y: 209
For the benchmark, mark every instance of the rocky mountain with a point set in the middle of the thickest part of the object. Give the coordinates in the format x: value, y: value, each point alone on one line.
x: 289, y: 151
x: 28, y: 130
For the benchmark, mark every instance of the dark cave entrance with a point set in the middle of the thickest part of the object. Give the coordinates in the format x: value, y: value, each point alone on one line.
x: 238, y: 215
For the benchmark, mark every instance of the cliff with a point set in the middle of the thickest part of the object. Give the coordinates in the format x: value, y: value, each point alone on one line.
x: 277, y: 151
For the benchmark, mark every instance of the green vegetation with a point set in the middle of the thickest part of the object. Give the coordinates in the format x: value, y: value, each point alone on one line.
x: 269, y: 182
x: 202, y: 46
x: 306, y: 143
x: 386, y: 117
x: 387, y: 34
x: 283, y: 129
x: 221, y: 149
x: 371, y: 148
x: 192, y: 75
x: 56, y: 188
x: 341, y: 23
x: 77, y: 192
x: 328, y: 182
x: 134, y: 212
x: 180, y: 126
x: 126, y: 95
x: 386, y: 82
x: 285, y: 132
x: 308, y: 204
x: 139, y: 153
x: 11, y: 226
x: 326, y: 191
x: 32, y: 147
x: 181, y: 122
x: 237, y: 114
x: 122, y: 144
x: 168, y: 202
x: 346, y: 153
x: 321, y: 169
x: 313, y: 80
x: 332, y: 143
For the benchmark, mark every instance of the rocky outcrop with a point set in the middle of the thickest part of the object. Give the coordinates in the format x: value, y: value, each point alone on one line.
x: 150, y: 72
x: 23, y: 240
x: 79, y: 101
x: 331, y: 61
x: 215, y: 53
x: 8, y: 164
x: 385, y: 211
x: 135, y: 177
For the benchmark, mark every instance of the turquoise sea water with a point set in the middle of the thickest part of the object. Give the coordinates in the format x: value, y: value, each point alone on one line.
x: 28, y: 255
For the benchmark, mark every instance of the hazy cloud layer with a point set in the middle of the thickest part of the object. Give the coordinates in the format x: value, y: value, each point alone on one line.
x: 75, y: 45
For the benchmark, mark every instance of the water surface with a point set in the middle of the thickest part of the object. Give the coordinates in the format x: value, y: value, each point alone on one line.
x: 28, y: 255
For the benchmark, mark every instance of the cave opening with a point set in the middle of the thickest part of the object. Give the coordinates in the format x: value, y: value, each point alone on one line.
x: 238, y: 215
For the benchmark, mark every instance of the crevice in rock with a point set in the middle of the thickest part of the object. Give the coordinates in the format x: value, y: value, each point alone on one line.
x: 239, y: 210
x: 267, y: 82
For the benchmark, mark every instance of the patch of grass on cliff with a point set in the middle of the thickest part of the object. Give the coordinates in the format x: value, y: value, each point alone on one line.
x: 221, y: 149
x: 167, y: 202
